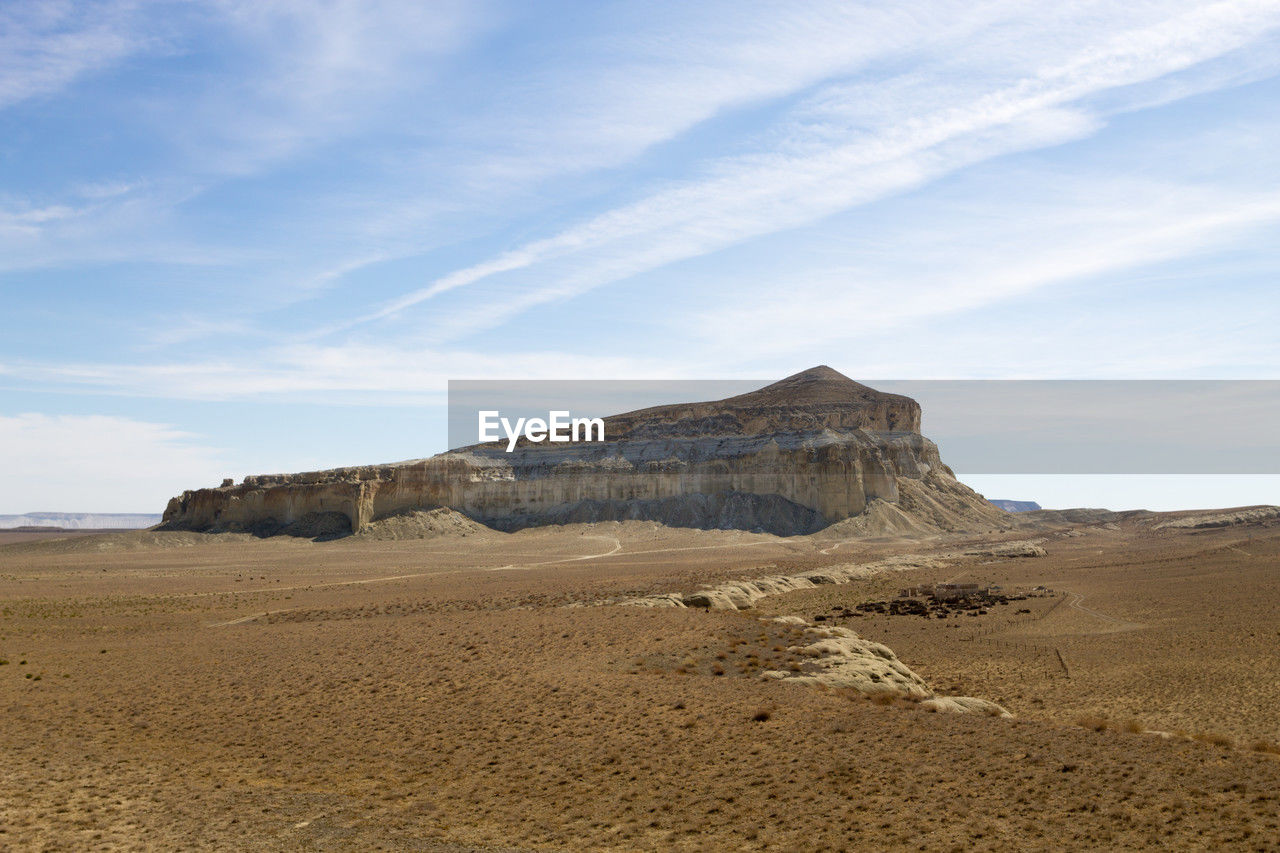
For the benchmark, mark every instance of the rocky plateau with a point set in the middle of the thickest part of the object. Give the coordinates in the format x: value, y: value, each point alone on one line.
x: 808, y: 452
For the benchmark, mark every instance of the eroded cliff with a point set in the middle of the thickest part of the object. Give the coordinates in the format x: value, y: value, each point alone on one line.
x: 791, y: 458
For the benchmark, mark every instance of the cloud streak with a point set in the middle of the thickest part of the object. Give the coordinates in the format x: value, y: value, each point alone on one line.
x: 915, y: 138
x: 45, y: 47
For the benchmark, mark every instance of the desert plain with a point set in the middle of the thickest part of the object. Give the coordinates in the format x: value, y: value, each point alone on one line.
x: 440, y: 686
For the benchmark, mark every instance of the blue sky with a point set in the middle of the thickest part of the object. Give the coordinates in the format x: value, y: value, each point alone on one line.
x: 239, y: 237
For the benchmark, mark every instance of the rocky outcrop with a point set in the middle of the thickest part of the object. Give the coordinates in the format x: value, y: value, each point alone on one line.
x: 837, y: 658
x: 743, y: 594
x: 794, y: 457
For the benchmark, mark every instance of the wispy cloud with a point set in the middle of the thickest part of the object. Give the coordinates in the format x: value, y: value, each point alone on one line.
x: 321, y: 142
x: 334, y: 374
x: 47, y: 46
x: 260, y: 84
x: 894, y: 134
x: 960, y: 256
x: 315, y: 71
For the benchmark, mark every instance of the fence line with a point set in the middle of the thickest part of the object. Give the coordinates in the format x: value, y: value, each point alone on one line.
x: 982, y: 632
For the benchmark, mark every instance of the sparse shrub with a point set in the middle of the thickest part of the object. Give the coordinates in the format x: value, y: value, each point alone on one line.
x: 1266, y: 746
x: 761, y: 716
x: 883, y: 698
x: 1097, y: 724
x: 1134, y: 727
x: 1214, y: 739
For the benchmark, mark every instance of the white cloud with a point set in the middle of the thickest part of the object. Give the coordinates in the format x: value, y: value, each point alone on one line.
x: 98, y: 463
x: 47, y: 46
x: 313, y: 72
x: 953, y: 257
x: 896, y: 134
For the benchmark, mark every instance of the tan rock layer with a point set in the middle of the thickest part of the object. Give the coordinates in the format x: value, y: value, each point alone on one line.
x: 815, y: 448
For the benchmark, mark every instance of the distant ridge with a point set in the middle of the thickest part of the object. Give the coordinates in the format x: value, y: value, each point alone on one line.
x: 81, y: 520
x: 1014, y: 506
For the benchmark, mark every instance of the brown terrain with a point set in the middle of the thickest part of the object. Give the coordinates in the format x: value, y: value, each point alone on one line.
x: 430, y: 684
x: 687, y: 638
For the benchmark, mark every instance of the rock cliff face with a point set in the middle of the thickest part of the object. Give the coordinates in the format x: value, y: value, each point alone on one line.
x: 791, y: 458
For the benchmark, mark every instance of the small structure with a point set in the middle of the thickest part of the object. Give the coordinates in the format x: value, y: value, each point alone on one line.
x: 953, y: 591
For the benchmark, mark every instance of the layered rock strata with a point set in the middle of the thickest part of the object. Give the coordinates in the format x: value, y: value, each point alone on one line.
x: 792, y: 458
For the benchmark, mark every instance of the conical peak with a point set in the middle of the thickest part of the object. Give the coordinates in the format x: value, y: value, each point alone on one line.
x: 810, y: 401
x: 814, y: 374
x: 819, y: 384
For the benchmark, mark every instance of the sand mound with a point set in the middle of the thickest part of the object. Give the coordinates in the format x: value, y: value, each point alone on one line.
x: 424, y: 524
x: 881, y: 518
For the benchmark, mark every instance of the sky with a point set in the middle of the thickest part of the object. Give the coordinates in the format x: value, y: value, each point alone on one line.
x: 249, y: 237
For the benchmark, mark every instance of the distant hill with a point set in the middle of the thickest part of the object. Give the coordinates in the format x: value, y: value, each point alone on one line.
x: 1015, y: 506
x: 81, y: 520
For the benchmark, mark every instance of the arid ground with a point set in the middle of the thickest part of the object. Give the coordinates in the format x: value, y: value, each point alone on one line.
x: 183, y: 691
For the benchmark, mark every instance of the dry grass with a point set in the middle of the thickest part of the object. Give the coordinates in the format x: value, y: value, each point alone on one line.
x: 472, y: 709
x: 1215, y: 739
x: 1093, y: 723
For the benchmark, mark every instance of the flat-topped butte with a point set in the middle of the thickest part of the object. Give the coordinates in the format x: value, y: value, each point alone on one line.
x: 791, y: 458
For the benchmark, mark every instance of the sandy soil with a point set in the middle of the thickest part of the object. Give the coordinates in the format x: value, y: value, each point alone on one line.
x: 167, y: 691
